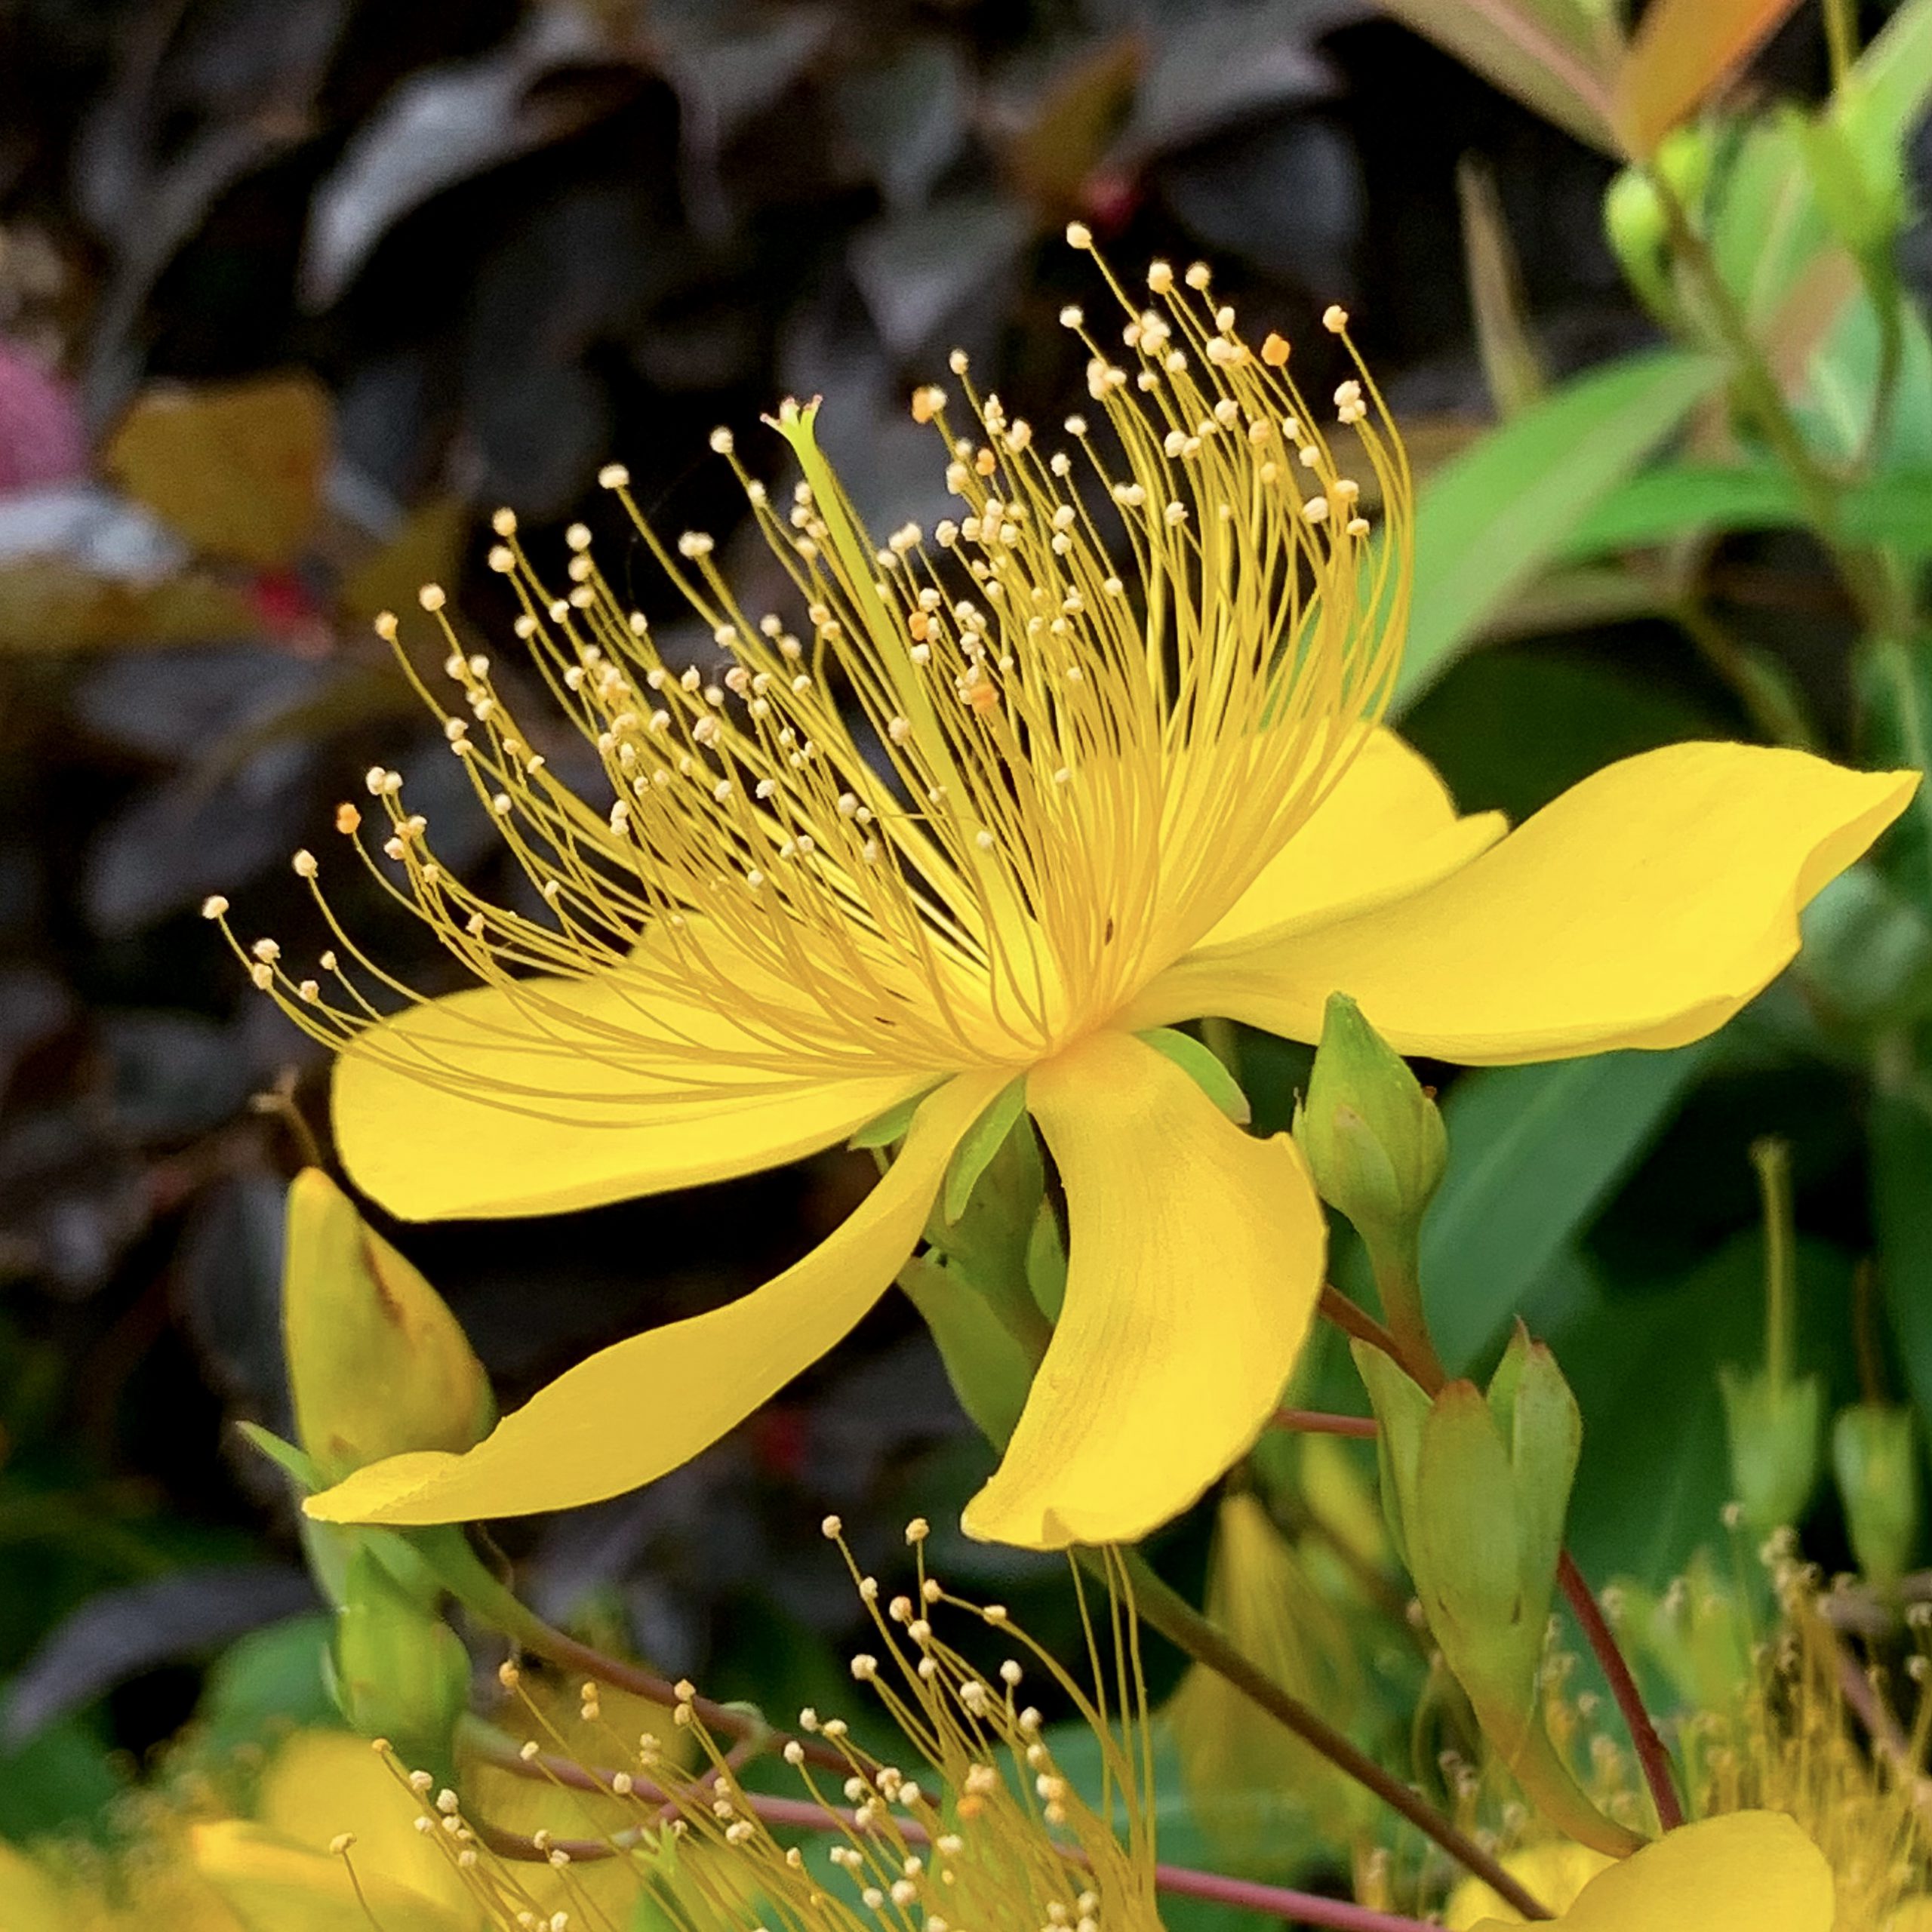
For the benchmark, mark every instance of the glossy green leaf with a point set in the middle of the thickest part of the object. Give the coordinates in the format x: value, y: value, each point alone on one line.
x: 1642, y: 1360
x: 1901, y: 1146
x: 1489, y: 521
x: 1534, y: 1151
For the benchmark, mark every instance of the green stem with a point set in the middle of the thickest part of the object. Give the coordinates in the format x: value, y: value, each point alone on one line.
x: 1163, y: 1608
x: 1772, y: 1158
x: 1840, y: 38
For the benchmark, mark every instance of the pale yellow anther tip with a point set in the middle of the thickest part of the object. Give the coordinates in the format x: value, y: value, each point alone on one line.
x: 1079, y: 236
x: 1334, y: 318
x: 386, y: 625
x: 831, y: 1527
x: 430, y: 597
x: 1275, y: 351
x: 341, y: 1844
x: 612, y: 476
x: 213, y: 907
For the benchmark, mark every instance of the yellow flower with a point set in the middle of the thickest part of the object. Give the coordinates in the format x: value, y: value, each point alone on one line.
x: 1117, y: 765
x: 1752, y: 1871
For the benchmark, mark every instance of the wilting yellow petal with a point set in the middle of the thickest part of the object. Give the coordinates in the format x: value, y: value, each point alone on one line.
x: 1195, y: 1257
x: 1752, y: 1871
x: 1388, y: 828
x: 273, y: 1885
x: 1642, y: 909
x: 567, y: 1094
x: 641, y: 1407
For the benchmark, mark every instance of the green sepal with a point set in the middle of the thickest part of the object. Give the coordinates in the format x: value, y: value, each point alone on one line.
x: 1773, y: 1428
x: 990, y: 1369
x: 1046, y: 1262
x: 294, y: 1463
x: 400, y: 1671
x: 976, y: 1151
x: 1401, y: 1408
x: 987, y: 1237
x: 893, y: 1124
x: 1874, y: 1456
x: 1201, y: 1064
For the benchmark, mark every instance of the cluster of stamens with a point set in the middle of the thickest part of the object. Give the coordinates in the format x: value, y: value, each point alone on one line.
x: 988, y: 1835
x: 972, y: 790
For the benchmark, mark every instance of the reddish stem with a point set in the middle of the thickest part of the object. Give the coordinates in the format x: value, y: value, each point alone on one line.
x: 1354, y: 1320
x: 804, y: 1814
x: 1602, y: 1641
x: 1319, y: 1422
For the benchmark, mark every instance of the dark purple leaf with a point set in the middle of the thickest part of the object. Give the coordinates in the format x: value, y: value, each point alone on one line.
x: 118, y: 1634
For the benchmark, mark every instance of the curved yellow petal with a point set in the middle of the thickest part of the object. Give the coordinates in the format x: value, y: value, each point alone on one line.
x: 1196, y: 1257
x: 1643, y: 908
x: 636, y: 1410
x: 1751, y: 1872
x: 1388, y: 828
x: 557, y: 1094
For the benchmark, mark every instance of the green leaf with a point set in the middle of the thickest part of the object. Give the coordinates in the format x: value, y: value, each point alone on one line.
x: 982, y: 1141
x: 1901, y: 1138
x: 1655, y: 1471
x: 1198, y: 1061
x: 1487, y: 522
x: 1885, y: 97
x: 1673, y: 500
x: 1534, y: 1152
x: 990, y: 1370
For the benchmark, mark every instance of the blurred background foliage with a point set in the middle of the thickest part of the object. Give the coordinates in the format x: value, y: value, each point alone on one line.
x: 293, y: 292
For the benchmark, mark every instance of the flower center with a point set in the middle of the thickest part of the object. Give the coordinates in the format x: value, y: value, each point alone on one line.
x: 977, y: 787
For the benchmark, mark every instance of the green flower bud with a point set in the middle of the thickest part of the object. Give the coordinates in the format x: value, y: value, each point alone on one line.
x: 1875, y: 1455
x: 1374, y: 1140
x: 376, y: 1364
x: 1481, y: 1485
x: 1774, y: 1424
x: 400, y: 1671
x: 1634, y: 220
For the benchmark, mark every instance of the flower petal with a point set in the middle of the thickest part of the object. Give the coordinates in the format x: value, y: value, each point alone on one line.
x: 637, y: 1410
x: 1195, y: 1259
x: 1750, y: 1871
x: 1643, y: 908
x: 1388, y: 828
x: 556, y: 1094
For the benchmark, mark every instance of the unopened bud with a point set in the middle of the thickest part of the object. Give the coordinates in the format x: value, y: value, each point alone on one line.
x: 1875, y: 1455
x: 1374, y: 1140
x: 1772, y: 1425
x: 377, y: 1365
